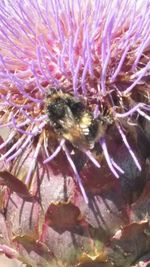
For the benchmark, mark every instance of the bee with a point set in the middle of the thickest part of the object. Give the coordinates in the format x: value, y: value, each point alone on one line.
x: 72, y: 120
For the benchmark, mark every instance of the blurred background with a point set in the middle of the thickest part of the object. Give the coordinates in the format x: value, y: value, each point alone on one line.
x: 5, y: 262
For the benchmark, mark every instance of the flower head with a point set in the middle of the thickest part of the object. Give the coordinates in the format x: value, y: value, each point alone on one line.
x: 97, y: 50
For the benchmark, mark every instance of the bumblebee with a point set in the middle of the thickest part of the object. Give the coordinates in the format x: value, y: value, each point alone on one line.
x: 72, y: 120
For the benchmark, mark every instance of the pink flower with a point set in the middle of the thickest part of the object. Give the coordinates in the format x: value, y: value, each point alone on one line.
x: 97, y: 49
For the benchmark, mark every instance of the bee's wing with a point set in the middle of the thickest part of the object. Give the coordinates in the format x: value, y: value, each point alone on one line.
x: 68, y: 121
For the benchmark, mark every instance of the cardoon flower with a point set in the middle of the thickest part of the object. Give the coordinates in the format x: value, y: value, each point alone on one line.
x: 61, y: 203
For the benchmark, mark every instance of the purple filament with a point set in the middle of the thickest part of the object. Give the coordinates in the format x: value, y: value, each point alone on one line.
x: 107, y: 157
x: 12, y: 134
x: 14, y: 147
x: 78, y: 179
x: 128, y: 147
x: 131, y: 111
x: 55, y: 153
x: 21, y: 148
x: 90, y: 156
x: 141, y: 74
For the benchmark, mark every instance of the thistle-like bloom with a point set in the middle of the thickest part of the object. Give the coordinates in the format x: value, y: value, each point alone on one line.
x: 98, y: 49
